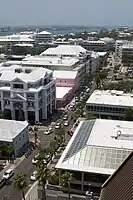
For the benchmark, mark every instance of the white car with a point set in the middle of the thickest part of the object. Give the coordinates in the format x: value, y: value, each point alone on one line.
x: 65, y: 117
x: 8, y: 174
x: 66, y: 123
x: 49, y: 131
x: 33, y: 176
x: 58, y: 125
x: 34, y: 160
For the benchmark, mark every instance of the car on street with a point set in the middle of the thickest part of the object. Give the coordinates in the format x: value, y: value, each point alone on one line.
x: 66, y: 123
x: 34, y: 160
x: 65, y: 117
x: 58, y: 125
x: 8, y: 174
x: 48, y: 131
x: 33, y: 176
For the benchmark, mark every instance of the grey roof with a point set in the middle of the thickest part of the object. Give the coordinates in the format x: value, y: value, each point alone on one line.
x: 9, y: 129
x: 84, y: 154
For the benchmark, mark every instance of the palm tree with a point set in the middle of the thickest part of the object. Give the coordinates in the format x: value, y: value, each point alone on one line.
x: 66, y: 179
x: 4, y: 198
x: 43, y: 174
x: 20, y: 183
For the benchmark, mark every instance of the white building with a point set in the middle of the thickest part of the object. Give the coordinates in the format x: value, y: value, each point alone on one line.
x: 118, y: 45
x: 110, y: 43
x: 11, y: 40
x: 15, y: 134
x: 43, y: 36
x: 96, y: 150
x: 75, y: 52
x: 97, y: 45
x: 109, y: 103
x: 27, y: 93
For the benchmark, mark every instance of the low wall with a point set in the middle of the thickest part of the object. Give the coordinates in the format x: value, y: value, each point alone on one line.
x: 32, y: 194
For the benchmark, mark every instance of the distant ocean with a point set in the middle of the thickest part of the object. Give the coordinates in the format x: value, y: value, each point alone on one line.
x: 62, y: 30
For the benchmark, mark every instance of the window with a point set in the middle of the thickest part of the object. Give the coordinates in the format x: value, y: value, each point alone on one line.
x: 20, y: 86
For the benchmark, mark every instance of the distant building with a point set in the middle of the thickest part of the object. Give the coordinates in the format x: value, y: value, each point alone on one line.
x: 110, y: 43
x: 63, y: 96
x: 119, y: 185
x: 28, y: 93
x: 118, y: 45
x: 126, y: 52
x: 97, y: 45
x: 96, y: 149
x: 11, y: 40
x: 43, y: 36
x: 14, y: 134
x: 109, y: 103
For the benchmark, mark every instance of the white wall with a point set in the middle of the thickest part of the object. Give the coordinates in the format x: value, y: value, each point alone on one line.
x: 32, y: 194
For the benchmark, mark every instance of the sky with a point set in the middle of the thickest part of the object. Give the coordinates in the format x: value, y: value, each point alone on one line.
x: 66, y: 12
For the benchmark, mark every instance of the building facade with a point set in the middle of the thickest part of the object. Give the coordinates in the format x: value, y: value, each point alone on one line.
x: 27, y: 93
x: 15, y: 134
x: 43, y: 37
x: 109, y: 103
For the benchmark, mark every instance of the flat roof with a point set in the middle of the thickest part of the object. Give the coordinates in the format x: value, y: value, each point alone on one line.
x: 111, y: 97
x: 65, y: 74
x: 9, y: 129
x: 44, y: 60
x: 36, y: 73
x: 69, y: 50
x: 102, y: 53
x: 62, y: 91
x: 93, y: 147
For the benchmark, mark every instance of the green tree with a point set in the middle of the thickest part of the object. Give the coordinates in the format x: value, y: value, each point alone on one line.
x: 43, y: 175
x: 3, y: 198
x: 66, y: 179
x: 20, y: 183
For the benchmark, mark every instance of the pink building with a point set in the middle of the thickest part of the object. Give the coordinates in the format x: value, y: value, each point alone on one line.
x: 67, y: 82
x: 67, y: 79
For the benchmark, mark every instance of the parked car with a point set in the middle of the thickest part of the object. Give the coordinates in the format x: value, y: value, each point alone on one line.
x: 58, y: 125
x: 34, y: 160
x: 65, y: 117
x: 66, y: 123
x: 48, y: 131
x: 33, y: 176
x: 8, y: 174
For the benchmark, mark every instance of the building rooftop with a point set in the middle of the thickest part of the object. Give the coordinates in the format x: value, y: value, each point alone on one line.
x: 65, y: 50
x: 65, y: 74
x: 111, y: 97
x: 44, y: 33
x: 102, y: 53
x: 34, y: 73
x: 40, y: 60
x: 94, y: 147
x: 62, y: 91
x: 16, y: 37
x: 9, y: 129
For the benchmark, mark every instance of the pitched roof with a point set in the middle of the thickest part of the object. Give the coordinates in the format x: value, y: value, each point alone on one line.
x: 9, y: 129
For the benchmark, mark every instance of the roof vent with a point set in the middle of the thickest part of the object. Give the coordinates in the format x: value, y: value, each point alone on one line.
x: 18, y: 70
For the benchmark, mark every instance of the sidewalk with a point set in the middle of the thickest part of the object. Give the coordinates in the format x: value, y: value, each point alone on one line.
x: 12, y: 165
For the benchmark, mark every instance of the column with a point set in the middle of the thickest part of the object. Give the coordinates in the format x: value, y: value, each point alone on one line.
x: 2, y: 102
x: 12, y: 110
x: 36, y: 108
x: 25, y: 111
x: 36, y: 116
